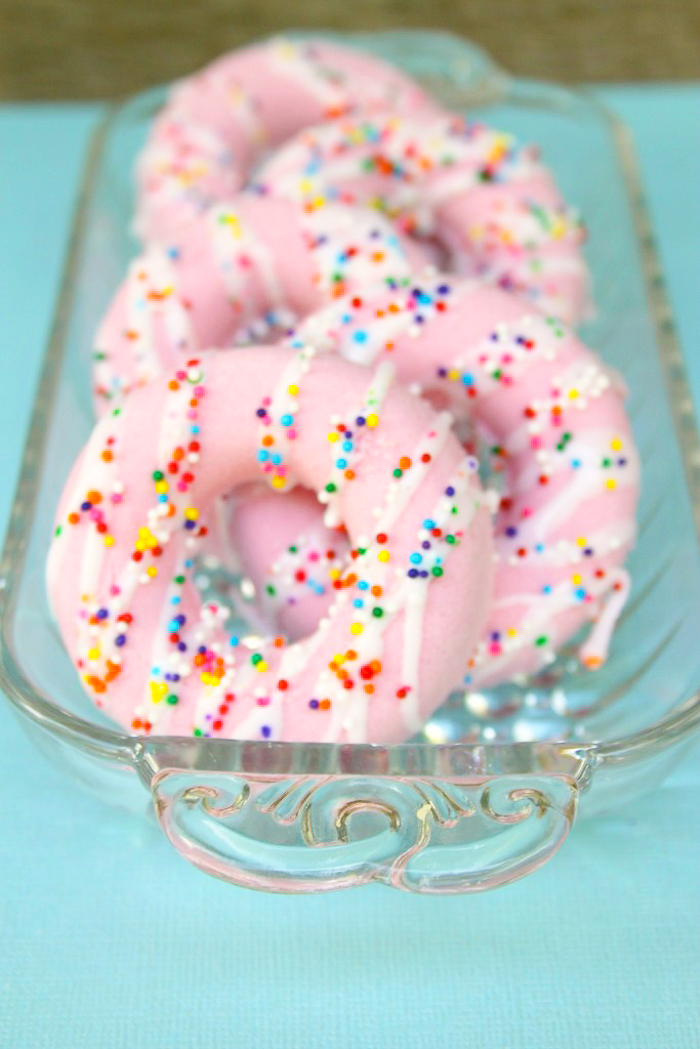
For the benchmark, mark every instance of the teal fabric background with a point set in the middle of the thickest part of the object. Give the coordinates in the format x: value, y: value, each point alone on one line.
x: 108, y: 939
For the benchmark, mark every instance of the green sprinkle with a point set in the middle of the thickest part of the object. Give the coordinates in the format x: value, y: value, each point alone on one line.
x: 377, y: 612
x: 270, y: 590
x: 542, y: 640
x: 180, y: 579
x: 449, y: 539
x: 291, y: 549
x: 398, y: 472
x: 255, y: 658
x: 197, y: 732
x: 437, y: 571
x: 58, y: 531
x: 173, y: 700
x: 330, y: 487
x: 158, y: 475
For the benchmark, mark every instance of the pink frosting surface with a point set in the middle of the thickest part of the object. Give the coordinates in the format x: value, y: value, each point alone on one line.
x: 218, y: 123
x: 552, y: 416
x: 485, y: 196
x: 122, y: 569
x: 244, y: 270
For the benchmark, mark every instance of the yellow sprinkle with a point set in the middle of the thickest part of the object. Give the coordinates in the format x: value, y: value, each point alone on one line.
x: 94, y: 653
x: 333, y: 437
x: 356, y: 628
x: 261, y: 666
x: 109, y: 540
x: 152, y: 571
x: 371, y: 420
x: 144, y: 533
x: 167, y: 292
x: 191, y: 514
x: 335, y: 573
x: 610, y: 484
x: 616, y: 444
x: 383, y: 555
x: 577, y: 578
x: 573, y: 394
x: 319, y: 202
x: 292, y: 390
x: 453, y: 375
x: 139, y: 545
x: 582, y: 540
x: 159, y: 690
x: 277, y: 482
x: 339, y: 658
x: 162, y: 487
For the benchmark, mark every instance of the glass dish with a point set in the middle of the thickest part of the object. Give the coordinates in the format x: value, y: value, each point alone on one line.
x: 493, y: 786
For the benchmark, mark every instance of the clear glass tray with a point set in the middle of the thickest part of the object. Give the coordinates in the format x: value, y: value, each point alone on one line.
x: 493, y: 787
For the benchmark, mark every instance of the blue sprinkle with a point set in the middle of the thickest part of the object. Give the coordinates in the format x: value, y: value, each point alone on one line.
x: 286, y: 420
x: 416, y: 559
x: 359, y: 336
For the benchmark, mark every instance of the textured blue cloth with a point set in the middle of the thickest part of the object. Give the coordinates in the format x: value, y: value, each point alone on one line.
x: 108, y: 939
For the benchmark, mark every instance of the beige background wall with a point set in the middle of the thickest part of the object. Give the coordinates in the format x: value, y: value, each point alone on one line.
x: 84, y: 49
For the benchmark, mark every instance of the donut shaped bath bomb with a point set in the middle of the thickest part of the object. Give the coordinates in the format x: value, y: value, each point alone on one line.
x: 217, y: 124
x: 552, y: 415
x: 242, y: 271
x: 487, y: 198
x: 122, y: 566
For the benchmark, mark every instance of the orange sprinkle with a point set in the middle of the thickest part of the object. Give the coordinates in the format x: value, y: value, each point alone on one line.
x: 73, y: 518
x: 325, y: 704
x: 174, y: 384
x: 107, y: 456
x: 405, y: 463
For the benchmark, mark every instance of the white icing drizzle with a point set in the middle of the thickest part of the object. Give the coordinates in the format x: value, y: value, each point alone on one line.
x: 373, y: 400
x: 595, y: 649
x: 232, y: 240
x: 296, y: 62
x: 285, y: 404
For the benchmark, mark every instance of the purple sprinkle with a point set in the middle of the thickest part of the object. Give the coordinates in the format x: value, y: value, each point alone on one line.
x: 449, y: 490
x: 266, y: 730
x: 102, y: 613
x: 425, y: 544
x: 443, y: 289
x: 120, y: 640
x: 86, y: 506
x: 412, y: 573
x: 511, y: 531
x: 261, y: 413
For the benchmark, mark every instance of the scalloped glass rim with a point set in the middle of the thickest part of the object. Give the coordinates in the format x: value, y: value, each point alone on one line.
x: 469, y: 77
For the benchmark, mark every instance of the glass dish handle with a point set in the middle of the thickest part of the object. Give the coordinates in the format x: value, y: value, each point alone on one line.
x: 317, y: 833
